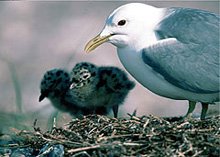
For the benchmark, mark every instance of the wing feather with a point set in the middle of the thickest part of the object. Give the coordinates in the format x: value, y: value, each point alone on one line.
x: 187, y: 53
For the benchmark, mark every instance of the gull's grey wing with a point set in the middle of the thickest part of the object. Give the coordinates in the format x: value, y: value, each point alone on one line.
x: 187, y: 53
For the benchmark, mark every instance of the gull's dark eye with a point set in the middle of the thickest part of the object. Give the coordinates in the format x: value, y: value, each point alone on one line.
x: 121, y: 22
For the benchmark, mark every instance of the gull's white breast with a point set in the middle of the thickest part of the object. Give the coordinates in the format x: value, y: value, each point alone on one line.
x: 155, y: 82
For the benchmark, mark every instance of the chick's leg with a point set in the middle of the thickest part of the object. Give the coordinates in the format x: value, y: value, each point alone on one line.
x: 115, y: 110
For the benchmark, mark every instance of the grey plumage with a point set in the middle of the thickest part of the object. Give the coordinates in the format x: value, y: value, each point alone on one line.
x: 94, y: 86
x: 181, y: 37
x: 55, y: 86
x: 187, y: 53
x: 89, y: 89
x: 173, y: 52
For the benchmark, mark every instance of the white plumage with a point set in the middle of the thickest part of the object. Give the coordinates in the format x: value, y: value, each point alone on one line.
x: 174, y: 52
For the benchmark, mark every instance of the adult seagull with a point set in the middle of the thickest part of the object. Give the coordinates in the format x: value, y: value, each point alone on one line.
x: 173, y: 52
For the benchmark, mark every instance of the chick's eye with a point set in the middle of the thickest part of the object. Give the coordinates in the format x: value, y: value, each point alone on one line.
x: 121, y: 22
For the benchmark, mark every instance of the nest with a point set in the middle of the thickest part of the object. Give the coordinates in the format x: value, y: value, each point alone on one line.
x: 96, y: 135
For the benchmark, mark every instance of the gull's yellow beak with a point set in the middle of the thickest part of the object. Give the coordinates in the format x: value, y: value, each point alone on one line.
x: 95, y: 42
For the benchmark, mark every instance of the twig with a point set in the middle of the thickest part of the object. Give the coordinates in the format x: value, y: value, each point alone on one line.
x: 45, y: 152
x: 54, y: 122
x: 80, y: 154
x: 197, y: 153
x: 83, y: 149
x: 160, y: 119
x: 116, y: 136
x: 131, y: 144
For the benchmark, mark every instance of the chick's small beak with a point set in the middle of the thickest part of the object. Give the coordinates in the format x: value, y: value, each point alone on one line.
x: 95, y: 42
x: 43, y: 95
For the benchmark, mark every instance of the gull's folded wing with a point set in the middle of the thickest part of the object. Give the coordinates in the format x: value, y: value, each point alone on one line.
x: 187, y: 51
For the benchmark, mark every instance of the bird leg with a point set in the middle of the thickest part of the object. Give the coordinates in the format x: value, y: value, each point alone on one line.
x: 134, y: 113
x: 191, y: 108
x: 115, y: 110
x: 204, y: 110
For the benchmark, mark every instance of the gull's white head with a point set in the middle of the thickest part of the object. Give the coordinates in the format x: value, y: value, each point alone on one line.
x: 126, y: 25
